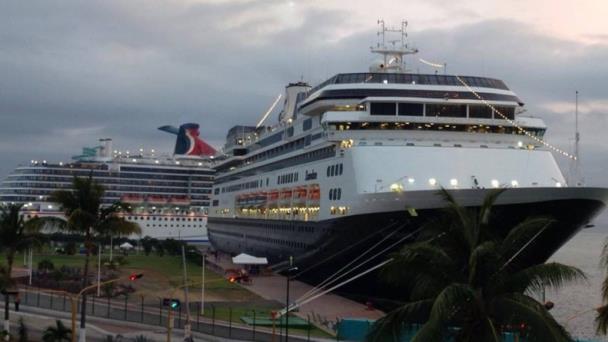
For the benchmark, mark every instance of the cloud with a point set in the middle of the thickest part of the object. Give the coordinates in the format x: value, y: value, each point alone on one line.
x: 121, y: 69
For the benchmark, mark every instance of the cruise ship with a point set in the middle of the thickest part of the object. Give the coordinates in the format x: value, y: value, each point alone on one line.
x: 168, y: 194
x: 355, y: 165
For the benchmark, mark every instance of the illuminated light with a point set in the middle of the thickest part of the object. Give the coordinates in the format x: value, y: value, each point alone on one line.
x: 520, y: 144
x: 60, y: 163
x: 127, y: 151
x: 141, y: 150
x: 153, y: 208
x: 495, y: 183
x: 44, y: 162
x: 152, y: 150
x: 135, y: 276
x: 50, y: 206
x: 176, y: 208
x: 177, y: 163
x: 200, y: 164
x: 396, y: 187
x: 40, y: 197
x: 514, y: 124
x: 454, y: 182
x: 32, y: 161
x: 432, y: 181
x: 514, y: 183
x: 558, y: 184
x: 134, y: 160
x: 29, y: 204
x: 385, y: 81
x: 411, y: 180
x: 156, y: 162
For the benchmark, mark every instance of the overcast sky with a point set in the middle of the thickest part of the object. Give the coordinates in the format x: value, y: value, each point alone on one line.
x: 75, y: 71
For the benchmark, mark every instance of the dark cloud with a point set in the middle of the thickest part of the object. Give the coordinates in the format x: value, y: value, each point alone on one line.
x: 74, y: 71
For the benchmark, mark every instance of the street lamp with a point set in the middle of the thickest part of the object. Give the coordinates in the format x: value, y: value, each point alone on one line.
x: 290, y: 271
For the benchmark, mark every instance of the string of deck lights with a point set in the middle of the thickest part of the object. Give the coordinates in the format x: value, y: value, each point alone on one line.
x: 513, y: 123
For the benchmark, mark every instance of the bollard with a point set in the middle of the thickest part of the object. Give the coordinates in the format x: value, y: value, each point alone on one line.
x: 229, y: 322
x: 142, y: 308
x: 212, y: 319
x: 198, y: 317
x: 253, y: 338
x: 308, y: 328
x: 126, y: 299
x: 160, y: 312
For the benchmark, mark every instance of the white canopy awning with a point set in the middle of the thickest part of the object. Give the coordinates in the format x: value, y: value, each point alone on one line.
x: 246, y: 259
x: 126, y: 245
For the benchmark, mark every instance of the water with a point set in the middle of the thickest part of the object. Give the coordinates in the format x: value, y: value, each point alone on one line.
x: 574, y: 303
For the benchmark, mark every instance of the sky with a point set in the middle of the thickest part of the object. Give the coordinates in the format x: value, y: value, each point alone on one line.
x: 75, y: 71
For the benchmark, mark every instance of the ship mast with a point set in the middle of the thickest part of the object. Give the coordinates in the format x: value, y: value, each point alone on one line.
x: 575, y: 166
x: 392, y: 50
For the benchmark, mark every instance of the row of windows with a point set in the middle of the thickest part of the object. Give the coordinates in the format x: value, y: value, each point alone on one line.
x: 146, y: 188
x: 87, y: 173
x: 287, y: 178
x: 153, y: 218
x: 289, y: 243
x: 538, y: 132
x: 411, y: 79
x: 242, y: 186
x: 113, y: 180
x: 441, y: 110
x: 165, y: 171
x: 319, y: 154
x: 176, y: 226
x: 335, y: 194
x: 335, y: 170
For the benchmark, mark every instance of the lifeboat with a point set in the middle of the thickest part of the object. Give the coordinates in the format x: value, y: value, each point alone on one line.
x: 285, y: 195
x: 132, y: 198
x: 180, y: 200
x: 156, y: 199
x: 300, y: 194
x: 314, y: 193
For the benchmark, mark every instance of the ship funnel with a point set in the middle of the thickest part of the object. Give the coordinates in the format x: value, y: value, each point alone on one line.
x: 105, y: 148
x: 295, y: 93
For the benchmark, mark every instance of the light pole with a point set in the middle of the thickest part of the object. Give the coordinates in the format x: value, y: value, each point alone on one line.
x: 290, y: 271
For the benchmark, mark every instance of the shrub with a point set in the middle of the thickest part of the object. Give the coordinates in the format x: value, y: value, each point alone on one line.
x: 45, y: 265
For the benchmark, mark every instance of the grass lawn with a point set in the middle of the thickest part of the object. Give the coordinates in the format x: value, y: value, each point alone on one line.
x: 162, y: 275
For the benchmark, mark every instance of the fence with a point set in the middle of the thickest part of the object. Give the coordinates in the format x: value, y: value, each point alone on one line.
x: 219, y: 320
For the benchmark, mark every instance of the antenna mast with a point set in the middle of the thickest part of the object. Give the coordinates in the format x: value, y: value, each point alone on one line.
x: 576, y: 177
x: 396, y: 49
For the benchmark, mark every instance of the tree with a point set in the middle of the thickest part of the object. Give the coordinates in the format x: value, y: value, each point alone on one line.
x: 601, y: 320
x: 85, y: 215
x: 57, y: 333
x: 16, y: 233
x: 147, y: 245
x: 465, y: 273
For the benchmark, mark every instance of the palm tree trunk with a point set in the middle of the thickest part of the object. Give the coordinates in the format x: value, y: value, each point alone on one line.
x: 10, y: 260
x: 85, y: 279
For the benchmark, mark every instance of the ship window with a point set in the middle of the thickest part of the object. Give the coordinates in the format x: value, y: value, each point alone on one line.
x: 383, y: 108
x: 414, y: 109
x: 307, y: 124
x: 509, y: 112
x: 290, y: 131
x: 341, y: 168
x: 483, y: 112
x: 459, y: 111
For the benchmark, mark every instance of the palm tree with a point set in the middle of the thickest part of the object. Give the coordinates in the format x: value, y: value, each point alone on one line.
x: 601, y: 320
x: 465, y: 273
x: 57, y: 333
x: 17, y: 234
x: 85, y: 214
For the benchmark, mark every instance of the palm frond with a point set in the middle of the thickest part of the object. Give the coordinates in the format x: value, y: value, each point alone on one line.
x: 515, y: 308
x: 118, y: 226
x: 485, y: 209
x: 452, y: 300
x: 484, y: 254
x: 601, y: 320
x: 393, y: 322
x: 535, y: 278
x: 420, y: 259
x: 518, y: 238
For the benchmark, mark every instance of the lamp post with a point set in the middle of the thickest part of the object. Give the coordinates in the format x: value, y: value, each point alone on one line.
x: 290, y: 271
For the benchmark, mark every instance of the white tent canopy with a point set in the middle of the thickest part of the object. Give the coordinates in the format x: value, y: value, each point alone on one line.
x: 246, y: 259
x: 126, y: 245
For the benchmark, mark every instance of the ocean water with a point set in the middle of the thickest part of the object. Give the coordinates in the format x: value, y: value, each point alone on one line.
x: 575, y: 303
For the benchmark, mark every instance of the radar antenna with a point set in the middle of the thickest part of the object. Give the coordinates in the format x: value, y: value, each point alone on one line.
x: 393, y: 52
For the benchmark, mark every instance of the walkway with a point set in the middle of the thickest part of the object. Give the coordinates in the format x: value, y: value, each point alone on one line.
x: 328, y: 308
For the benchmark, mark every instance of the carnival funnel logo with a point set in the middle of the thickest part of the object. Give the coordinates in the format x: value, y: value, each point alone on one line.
x: 189, y: 143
